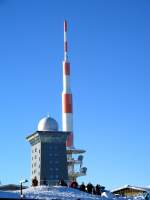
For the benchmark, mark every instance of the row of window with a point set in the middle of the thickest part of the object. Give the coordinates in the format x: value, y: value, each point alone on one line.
x: 51, y: 169
x: 35, y: 157
x: 52, y: 161
x: 54, y: 169
x: 54, y: 176
x: 53, y: 147
x: 34, y: 165
x: 53, y: 154
x: 35, y: 172
x: 51, y: 176
x: 50, y: 154
x: 35, y: 150
x: 50, y: 147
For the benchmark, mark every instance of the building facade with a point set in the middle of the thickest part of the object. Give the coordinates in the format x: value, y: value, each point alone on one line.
x: 48, y: 154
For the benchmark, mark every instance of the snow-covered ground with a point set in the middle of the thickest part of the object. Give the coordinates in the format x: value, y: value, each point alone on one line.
x: 60, y: 193
x: 9, y: 195
x: 57, y: 192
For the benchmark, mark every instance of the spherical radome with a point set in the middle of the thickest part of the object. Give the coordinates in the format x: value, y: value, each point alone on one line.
x: 48, y: 124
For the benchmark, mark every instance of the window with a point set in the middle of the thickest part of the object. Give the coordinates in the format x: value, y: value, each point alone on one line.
x: 35, y: 156
x: 35, y: 149
x: 35, y: 164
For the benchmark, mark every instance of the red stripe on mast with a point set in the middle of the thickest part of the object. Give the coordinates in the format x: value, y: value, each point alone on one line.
x: 67, y: 107
x: 69, y: 141
x: 65, y: 26
x: 67, y: 68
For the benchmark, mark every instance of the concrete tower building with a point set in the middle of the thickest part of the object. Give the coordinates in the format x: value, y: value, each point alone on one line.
x: 48, y: 153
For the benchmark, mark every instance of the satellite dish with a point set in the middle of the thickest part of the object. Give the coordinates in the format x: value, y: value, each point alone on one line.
x: 80, y: 158
x: 83, y: 170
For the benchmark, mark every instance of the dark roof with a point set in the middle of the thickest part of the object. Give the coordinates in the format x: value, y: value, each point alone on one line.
x: 144, y: 189
x: 10, y: 187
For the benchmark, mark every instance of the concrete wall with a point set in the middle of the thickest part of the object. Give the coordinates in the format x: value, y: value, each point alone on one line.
x: 48, y: 157
x: 54, y: 162
x: 36, y: 161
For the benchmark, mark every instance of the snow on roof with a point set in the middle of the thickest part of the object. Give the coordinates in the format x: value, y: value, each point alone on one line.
x: 145, y: 189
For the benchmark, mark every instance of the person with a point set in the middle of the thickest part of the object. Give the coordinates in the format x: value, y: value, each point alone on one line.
x: 34, y: 182
x: 74, y: 184
x: 98, y: 189
x: 102, y: 189
x: 89, y: 188
x: 94, y: 190
x: 82, y: 187
x: 62, y: 182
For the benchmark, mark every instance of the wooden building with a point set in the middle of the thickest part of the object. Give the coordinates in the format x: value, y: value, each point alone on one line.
x: 130, y: 191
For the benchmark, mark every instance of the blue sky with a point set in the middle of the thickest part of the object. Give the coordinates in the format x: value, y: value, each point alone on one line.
x: 109, y: 47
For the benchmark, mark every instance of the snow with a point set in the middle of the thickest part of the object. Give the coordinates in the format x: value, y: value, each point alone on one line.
x: 57, y: 192
x: 108, y: 195
x: 61, y: 193
x: 9, y: 195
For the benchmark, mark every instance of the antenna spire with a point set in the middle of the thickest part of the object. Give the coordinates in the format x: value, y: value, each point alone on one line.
x: 65, y: 41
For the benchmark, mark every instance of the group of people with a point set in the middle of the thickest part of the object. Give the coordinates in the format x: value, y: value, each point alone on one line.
x: 90, y: 188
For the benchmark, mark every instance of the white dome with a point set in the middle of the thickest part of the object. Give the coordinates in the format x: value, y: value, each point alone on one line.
x: 48, y: 124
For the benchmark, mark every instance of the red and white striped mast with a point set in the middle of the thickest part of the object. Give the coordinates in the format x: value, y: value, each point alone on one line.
x: 67, y: 118
x: 67, y: 108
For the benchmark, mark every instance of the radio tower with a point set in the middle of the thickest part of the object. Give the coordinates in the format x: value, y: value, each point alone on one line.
x: 66, y: 95
x: 67, y: 119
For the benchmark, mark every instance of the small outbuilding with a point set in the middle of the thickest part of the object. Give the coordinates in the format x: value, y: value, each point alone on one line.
x: 130, y: 191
